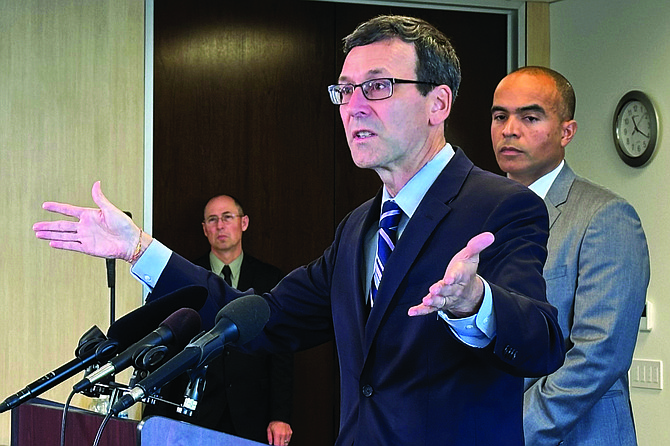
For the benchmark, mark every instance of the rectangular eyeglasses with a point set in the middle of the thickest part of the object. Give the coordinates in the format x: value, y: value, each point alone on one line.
x: 373, y: 89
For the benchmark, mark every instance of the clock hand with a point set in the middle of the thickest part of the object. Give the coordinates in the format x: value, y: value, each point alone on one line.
x: 635, y: 126
x: 637, y: 129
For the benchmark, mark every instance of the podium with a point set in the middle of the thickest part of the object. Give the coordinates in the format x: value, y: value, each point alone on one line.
x: 160, y: 431
x: 38, y: 423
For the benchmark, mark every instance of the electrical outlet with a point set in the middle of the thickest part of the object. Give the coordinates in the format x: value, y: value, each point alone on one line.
x: 646, y: 374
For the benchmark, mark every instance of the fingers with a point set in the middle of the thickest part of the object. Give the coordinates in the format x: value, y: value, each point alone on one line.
x: 421, y: 310
x: 63, y: 208
x: 433, y: 301
x: 279, y: 433
x: 68, y: 246
x: 63, y: 231
x: 76, y: 211
x: 58, y: 236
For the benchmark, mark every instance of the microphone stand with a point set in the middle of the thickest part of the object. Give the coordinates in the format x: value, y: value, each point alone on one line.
x: 111, y: 282
x: 103, y: 398
x: 111, y: 278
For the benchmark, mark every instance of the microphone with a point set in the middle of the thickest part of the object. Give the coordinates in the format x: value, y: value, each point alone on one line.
x: 120, y: 335
x: 238, y: 322
x: 139, y: 322
x: 103, y: 351
x: 175, y: 331
x: 89, y: 341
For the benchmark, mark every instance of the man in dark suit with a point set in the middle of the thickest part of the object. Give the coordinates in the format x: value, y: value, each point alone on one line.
x: 468, y: 250
x: 245, y: 395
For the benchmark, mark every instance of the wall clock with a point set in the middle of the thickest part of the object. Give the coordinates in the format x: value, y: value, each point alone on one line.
x: 635, y: 128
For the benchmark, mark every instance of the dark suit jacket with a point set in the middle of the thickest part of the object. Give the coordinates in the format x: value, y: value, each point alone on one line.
x: 410, y: 381
x: 243, y: 392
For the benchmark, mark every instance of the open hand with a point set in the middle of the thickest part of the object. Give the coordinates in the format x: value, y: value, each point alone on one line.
x: 460, y: 291
x: 104, y: 232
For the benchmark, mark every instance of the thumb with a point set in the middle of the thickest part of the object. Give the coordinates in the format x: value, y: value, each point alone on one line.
x: 477, y: 244
x: 99, y: 198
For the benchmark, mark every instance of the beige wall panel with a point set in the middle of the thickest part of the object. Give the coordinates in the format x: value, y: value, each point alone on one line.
x: 71, y: 113
x: 537, y: 34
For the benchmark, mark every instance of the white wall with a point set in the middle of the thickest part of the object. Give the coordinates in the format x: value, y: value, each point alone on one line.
x: 606, y: 48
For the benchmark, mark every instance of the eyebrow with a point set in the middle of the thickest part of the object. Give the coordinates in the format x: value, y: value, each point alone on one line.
x: 216, y: 215
x: 373, y: 72
x: 524, y: 109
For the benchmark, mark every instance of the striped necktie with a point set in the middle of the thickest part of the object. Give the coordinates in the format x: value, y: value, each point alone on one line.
x: 386, y: 240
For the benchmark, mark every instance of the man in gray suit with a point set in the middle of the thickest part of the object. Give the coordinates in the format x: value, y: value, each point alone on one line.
x: 597, y: 268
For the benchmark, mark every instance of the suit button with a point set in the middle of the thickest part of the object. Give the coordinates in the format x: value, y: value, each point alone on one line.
x: 510, y: 352
x: 367, y: 390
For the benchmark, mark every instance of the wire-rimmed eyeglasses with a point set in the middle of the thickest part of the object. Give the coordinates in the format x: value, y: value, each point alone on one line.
x: 226, y: 218
x: 373, y: 89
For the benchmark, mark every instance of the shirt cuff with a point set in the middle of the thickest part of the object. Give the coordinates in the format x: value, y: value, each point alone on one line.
x: 479, y: 329
x: 151, y: 264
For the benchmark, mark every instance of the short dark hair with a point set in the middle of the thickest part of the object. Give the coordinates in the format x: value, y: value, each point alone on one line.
x: 436, y: 58
x: 563, y: 86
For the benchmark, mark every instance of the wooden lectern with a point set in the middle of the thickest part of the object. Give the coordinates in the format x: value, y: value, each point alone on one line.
x: 38, y: 423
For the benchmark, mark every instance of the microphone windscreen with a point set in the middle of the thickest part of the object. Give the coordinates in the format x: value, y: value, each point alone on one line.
x: 140, y: 322
x: 249, y: 314
x: 184, y: 325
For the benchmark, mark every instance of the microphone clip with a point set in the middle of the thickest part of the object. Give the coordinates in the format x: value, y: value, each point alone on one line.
x: 196, y: 386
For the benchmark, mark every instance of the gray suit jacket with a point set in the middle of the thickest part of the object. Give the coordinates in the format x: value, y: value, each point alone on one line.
x: 597, y: 273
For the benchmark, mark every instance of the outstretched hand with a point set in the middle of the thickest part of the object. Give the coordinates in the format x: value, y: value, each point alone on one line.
x: 104, y: 232
x: 460, y: 291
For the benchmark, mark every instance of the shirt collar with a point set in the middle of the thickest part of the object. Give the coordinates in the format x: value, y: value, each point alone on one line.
x: 235, y: 265
x: 541, y: 185
x: 413, y: 192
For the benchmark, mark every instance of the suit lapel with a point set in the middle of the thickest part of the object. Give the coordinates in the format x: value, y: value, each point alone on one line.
x: 429, y: 214
x: 246, y: 274
x: 557, y: 194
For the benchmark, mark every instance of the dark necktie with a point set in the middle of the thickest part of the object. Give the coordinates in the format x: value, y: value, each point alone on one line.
x: 386, y: 240
x: 226, y: 275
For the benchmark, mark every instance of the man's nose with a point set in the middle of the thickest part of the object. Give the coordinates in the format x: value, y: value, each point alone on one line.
x: 358, y: 103
x: 511, y: 127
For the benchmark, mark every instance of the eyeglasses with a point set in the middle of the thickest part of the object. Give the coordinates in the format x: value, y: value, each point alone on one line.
x: 226, y: 218
x: 373, y: 90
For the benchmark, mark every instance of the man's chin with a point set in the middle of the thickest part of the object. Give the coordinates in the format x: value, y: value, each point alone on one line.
x: 364, y: 162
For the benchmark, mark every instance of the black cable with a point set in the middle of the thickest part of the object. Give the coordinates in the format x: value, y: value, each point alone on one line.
x: 64, y: 419
x: 102, y: 428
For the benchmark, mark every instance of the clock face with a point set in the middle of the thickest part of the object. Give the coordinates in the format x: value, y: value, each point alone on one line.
x: 634, y: 128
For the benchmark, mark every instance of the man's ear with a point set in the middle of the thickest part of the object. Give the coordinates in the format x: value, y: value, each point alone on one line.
x: 245, y: 222
x: 440, y: 105
x: 569, y: 129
